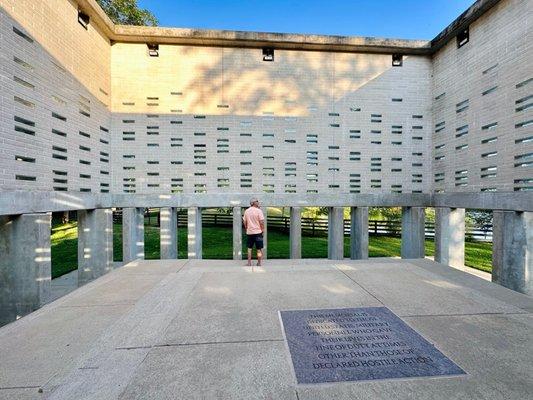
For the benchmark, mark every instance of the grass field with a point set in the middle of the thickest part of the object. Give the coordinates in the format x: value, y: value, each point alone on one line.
x: 217, y: 243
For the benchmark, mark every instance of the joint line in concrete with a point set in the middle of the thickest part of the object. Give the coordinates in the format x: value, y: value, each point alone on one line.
x: 358, y: 284
x: 19, y: 387
x: 463, y: 315
x: 215, y: 343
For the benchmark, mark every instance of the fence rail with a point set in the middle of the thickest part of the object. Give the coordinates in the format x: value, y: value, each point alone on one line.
x: 319, y: 226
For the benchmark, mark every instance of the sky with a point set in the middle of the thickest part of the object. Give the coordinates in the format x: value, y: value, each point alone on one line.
x: 405, y: 19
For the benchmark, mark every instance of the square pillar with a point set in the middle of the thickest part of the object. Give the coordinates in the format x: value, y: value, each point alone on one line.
x: 132, y: 234
x: 194, y: 233
x: 450, y: 236
x: 359, y: 233
x: 168, y: 233
x: 296, y: 233
x: 413, y: 232
x: 95, y: 244
x: 25, y: 264
x: 336, y: 233
x: 237, y: 233
x: 512, y: 250
x: 265, y: 241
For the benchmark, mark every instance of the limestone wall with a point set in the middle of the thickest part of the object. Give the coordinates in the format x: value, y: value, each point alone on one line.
x: 79, y: 113
x: 483, y: 105
x: 54, y: 117
x: 200, y: 119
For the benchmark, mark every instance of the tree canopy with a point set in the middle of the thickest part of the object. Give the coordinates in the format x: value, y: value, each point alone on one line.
x: 127, y: 12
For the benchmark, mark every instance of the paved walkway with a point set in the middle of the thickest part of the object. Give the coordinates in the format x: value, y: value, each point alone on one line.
x: 67, y: 283
x: 210, y: 330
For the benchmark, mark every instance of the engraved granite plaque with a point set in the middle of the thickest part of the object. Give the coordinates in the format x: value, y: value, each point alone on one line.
x: 355, y: 344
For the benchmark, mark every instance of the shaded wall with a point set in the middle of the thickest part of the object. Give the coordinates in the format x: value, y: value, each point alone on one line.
x: 483, y: 105
x: 54, y: 117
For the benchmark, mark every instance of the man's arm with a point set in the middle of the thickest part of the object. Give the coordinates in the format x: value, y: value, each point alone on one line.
x: 244, y: 222
x: 262, y: 222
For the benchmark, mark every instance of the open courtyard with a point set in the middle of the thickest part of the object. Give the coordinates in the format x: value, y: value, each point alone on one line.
x: 385, y: 182
x: 210, y: 329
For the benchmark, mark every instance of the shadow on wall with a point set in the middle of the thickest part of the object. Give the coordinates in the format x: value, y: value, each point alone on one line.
x: 332, y: 92
x: 230, y: 108
x: 294, y: 84
x: 235, y: 81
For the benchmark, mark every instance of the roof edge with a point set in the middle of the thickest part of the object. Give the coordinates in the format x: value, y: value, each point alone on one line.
x: 98, y: 16
x: 473, y: 12
x: 289, y: 41
x: 206, y: 37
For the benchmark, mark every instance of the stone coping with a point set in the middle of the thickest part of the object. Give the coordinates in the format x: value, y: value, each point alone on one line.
x: 21, y: 201
x: 288, y: 41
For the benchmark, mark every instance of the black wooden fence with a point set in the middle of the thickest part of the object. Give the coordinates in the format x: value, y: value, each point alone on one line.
x: 312, y: 226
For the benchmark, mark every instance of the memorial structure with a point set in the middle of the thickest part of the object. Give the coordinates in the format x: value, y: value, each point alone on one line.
x: 97, y: 116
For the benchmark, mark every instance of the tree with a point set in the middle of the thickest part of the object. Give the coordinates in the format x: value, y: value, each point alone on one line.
x: 127, y: 12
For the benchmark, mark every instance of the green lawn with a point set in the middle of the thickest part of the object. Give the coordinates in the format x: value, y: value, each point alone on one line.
x: 64, y: 250
x: 217, y: 243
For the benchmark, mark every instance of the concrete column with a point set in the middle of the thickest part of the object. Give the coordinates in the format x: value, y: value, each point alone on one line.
x: 95, y: 244
x: 336, y: 233
x: 194, y: 233
x: 512, y: 250
x: 25, y: 264
x: 359, y: 233
x: 450, y: 236
x: 296, y: 233
x: 413, y: 232
x: 132, y: 234
x: 168, y: 233
x: 265, y: 233
x: 237, y: 233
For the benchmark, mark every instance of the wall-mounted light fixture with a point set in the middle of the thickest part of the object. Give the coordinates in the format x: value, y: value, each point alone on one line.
x: 463, y: 37
x: 268, y: 54
x: 153, y: 49
x: 83, y: 19
x: 397, y: 60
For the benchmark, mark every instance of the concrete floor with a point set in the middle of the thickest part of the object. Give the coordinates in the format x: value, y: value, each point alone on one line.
x: 210, y: 330
x: 67, y: 283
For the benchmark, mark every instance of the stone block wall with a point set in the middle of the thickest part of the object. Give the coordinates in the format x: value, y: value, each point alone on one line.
x: 483, y: 105
x: 199, y: 119
x: 54, y: 103
x: 79, y: 113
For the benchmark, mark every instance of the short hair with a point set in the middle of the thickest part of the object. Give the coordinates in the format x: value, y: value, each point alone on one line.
x: 253, y: 200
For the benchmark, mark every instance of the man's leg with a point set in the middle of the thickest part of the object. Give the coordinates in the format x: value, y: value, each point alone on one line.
x: 259, y: 247
x: 249, y: 263
x: 249, y: 246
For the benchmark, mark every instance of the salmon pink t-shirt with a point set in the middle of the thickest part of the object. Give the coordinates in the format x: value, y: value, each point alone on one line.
x: 252, y: 217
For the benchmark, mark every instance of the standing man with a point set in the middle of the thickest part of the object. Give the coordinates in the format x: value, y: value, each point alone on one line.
x: 254, y: 223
